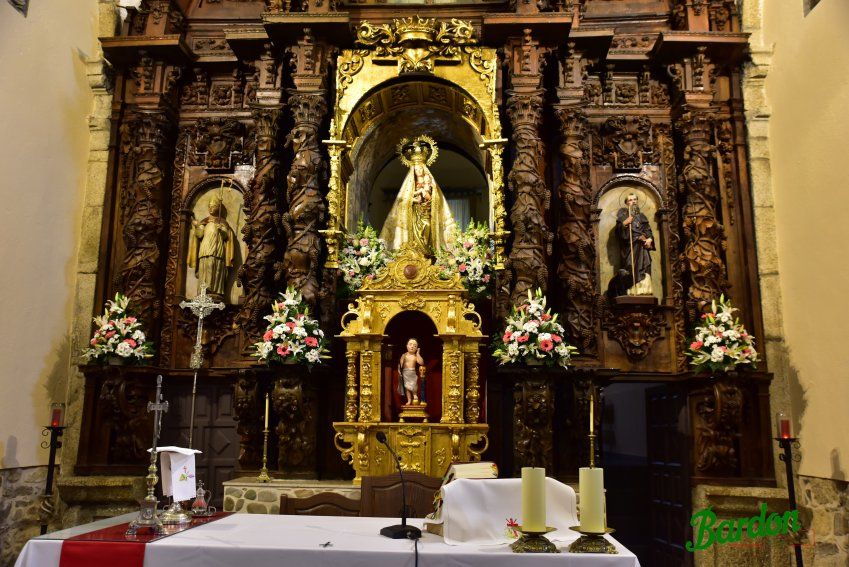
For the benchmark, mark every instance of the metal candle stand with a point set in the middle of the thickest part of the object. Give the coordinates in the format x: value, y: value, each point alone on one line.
x: 592, y: 542
x: 55, y: 432
x: 534, y: 542
x: 787, y: 443
x: 263, y: 472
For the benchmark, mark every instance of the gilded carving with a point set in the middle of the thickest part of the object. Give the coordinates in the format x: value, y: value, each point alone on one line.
x: 365, y: 386
x: 351, y: 386
x: 473, y: 410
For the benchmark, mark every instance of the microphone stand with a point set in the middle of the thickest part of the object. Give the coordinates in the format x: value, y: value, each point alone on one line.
x: 402, y: 530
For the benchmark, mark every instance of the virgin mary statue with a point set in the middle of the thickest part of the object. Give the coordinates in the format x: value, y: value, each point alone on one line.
x: 420, y: 216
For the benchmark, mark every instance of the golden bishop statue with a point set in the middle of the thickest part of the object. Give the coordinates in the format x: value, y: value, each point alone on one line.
x: 420, y: 216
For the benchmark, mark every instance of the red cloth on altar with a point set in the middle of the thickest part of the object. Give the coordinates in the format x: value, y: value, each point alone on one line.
x: 110, y: 546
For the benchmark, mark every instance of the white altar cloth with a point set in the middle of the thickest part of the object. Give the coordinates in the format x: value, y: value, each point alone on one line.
x: 259, y: 540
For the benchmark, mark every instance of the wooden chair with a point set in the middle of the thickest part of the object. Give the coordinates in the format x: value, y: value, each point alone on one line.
x: 324, y: 504
x: 381, y: 495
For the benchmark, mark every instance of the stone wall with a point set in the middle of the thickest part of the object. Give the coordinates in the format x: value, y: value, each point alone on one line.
x: 20, y: 500
x: 246, y: 495
x: 824, y: 511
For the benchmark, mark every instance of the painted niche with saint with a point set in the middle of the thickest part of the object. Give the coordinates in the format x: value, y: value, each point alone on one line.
x: 420, y: 216
x: 215, y: 250
x: 628, y: 225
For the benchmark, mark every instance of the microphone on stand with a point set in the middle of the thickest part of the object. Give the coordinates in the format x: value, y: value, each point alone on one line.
x: 402, y: 530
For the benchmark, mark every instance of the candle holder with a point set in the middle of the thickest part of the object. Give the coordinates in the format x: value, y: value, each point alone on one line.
x: 787, y: 456
x: 263, y: 472
x: 534, y: 542
x: 592, y: 542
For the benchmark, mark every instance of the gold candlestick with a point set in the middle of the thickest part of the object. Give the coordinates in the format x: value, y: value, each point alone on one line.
x: 263, y: 472
x: 592, y: 425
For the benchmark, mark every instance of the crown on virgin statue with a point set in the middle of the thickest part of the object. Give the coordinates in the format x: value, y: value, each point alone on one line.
x: 419, y: 150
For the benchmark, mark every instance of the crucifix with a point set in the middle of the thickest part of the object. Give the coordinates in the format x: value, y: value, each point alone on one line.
x: 202, y: 306
x: 147, y: 510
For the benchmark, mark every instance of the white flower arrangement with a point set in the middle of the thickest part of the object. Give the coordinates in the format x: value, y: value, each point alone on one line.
x: 470, y: 253
x: 722, y: 343
x: 292, y: 335
x: 119, y: 334
x: 362, y: 256
x: 533, y: 336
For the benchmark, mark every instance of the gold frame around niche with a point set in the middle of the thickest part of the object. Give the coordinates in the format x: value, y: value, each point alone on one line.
x: 414, y: 48
x: 411, y: 283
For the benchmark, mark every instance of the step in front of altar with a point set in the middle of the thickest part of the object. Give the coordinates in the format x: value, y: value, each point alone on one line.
x: 247, y: 495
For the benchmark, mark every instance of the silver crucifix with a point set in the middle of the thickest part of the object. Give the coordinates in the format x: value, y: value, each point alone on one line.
x: 202, y: 306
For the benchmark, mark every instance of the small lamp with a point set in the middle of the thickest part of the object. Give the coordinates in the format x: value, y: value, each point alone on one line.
x: 783, y: 425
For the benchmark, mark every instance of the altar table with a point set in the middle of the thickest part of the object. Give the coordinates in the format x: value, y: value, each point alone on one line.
x: 259, y: 540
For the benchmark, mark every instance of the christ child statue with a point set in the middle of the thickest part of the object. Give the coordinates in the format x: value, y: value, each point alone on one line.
x: 408, y: 381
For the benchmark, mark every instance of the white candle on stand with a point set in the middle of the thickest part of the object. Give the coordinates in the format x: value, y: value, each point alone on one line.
x: 266, y: 411
x: 533, y: 499
x: 591, y: 488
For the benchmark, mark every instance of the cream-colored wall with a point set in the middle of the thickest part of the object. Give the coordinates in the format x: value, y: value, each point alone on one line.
x: 44, y: 139
x: 808, y: 90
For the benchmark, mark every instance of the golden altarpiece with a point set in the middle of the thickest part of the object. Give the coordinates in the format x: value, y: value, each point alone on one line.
x: 273, y: 119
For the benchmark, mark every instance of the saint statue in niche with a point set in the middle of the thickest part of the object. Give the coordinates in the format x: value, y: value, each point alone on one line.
x: 408, y: 366
x: 212, y: 248
x: 636, y: 241
x: 420, y: 216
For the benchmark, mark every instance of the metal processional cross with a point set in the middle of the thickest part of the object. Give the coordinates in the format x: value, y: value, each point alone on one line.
x: 202, y: 306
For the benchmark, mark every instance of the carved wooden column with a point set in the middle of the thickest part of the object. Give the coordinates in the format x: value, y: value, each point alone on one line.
x: 528, y: 258
x: 260, y: 274
x: 704, y: 234
x: 575, y: 238
x: 146, y: 149
x: 306, y: 210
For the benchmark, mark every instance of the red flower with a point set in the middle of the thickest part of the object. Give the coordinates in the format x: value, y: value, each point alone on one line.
x: 506, y: 337
x: 523, y: 338
x: 283, y: 351
x: 545, y: 317
x: 546, y: 345
x: 269, y: 334
x: 130, y: 342
x: 462, y: 267
x: 311, y: 341
x: 290, y: 324
x: 556, y: 338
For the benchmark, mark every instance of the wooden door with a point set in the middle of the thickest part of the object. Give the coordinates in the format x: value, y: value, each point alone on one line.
x: 669, y: 476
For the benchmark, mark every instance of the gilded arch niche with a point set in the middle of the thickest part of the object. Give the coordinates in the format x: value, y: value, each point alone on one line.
x: 414, y: 62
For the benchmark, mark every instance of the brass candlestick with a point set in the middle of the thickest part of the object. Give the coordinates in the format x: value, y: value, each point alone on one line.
x: 263, y: 472
x: 592, y: 542
x: 534, y: 542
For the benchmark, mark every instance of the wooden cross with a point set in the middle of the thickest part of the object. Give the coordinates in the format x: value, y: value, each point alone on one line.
x: 202, y: 306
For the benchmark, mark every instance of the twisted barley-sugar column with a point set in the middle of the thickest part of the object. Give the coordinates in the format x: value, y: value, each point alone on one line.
x: 473, y: 410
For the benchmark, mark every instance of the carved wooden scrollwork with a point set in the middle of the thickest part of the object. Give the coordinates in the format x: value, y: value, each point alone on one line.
x: 217, y: 142
x: 126, y: 416
x: 719, y: 413
x: 636, y: 331
x: 626, y: 142
x: 246, y: 406
x: 576, y: 242
x: 293, y: 403
x: 533, y: 414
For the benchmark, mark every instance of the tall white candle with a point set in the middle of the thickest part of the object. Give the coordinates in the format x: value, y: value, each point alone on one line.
x: 266, y: 411
x: 591, y: 487
x: 533, y: 499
